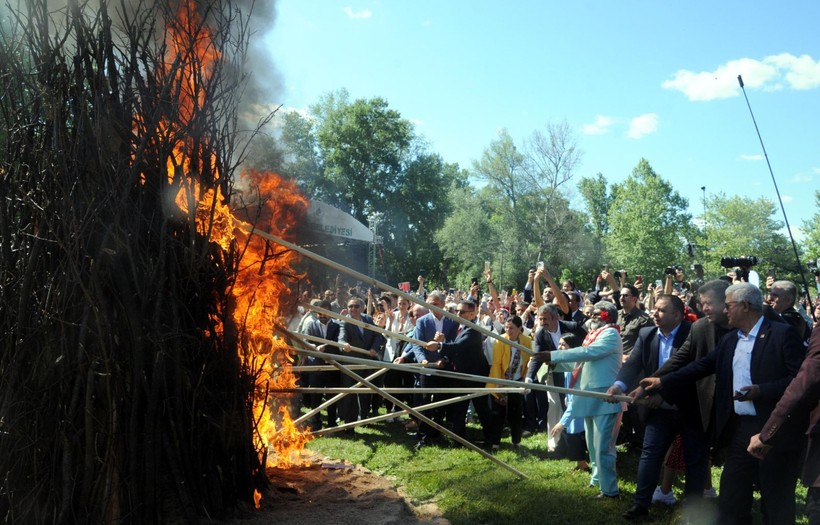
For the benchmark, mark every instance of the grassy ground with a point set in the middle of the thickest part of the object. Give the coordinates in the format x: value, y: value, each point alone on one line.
x: 470, y: 489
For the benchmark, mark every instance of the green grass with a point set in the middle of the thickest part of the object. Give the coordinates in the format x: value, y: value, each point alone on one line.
x: 470, y: 489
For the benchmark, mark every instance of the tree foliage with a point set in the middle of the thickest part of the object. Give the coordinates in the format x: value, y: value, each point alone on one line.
x: 648, y: 223
x: 364, y: 158
x: 597, y: 200
x: 811, y: 228
x: 736, y: 226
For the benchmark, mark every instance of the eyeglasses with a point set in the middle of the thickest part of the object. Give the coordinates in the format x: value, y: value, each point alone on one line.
x: 354, y: 306
x: 464, y: 311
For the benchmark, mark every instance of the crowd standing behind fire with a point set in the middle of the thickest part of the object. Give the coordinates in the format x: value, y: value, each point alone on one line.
x: 663, y: 343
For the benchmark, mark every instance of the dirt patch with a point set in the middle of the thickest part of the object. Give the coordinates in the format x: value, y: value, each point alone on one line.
x: 337, y: 492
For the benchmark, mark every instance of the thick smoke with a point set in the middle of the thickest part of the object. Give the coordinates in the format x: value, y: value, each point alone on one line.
x: 264, y: 85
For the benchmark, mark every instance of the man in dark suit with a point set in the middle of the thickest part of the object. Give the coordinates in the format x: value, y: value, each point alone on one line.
x: 352, y: 335
x: 753, y: 365
x: 324, y: 327
x: 427, y: 329
x: 575, y: 304
x: 652, y: 349
x: 800, y: 397
x: 463, y: 354
x: 550, y: 330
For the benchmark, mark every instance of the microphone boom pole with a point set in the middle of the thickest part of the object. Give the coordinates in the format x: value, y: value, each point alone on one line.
x: 777, y: 191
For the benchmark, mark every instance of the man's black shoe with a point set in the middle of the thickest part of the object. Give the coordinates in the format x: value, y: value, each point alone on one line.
x: 636, y: 512
x: 601, y: 495
x: 421, y: 444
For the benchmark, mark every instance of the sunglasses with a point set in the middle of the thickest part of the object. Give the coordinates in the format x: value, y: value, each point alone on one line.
x: 354, y: 306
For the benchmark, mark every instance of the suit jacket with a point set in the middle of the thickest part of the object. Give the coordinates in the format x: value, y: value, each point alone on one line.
x: 602, y: 360
x: 703, y: 337
x: 502, y: 355
x: 465, y: 353
x: 776, y: 357
x: 579, y: 317
x: 542, y: 342
x: 425, y: 331
x: 361, y: 337
x: 800, y: 398
x: 643, y: 361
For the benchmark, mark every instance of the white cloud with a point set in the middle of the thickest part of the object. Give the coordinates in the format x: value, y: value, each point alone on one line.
x: 641, y: 125
x: 803, y: 177
x: 599, y: 127
x: 750, y: 156
x: 771, y: 73
x: 361, y: 14
x: 786, y: 198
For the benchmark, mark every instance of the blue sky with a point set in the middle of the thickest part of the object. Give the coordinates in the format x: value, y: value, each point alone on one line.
x: 633, y: 79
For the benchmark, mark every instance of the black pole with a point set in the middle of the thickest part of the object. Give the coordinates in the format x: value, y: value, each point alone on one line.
x: 782, y: 208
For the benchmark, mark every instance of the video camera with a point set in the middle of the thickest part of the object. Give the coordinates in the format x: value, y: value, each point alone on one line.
x: 740, y: 264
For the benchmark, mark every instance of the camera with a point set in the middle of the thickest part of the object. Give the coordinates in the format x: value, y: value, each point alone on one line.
x: 474, y: 280
x: 731, y: 262
x: 670, y: 270
x: 620, y: 274
x: 812, y: 266
x: 741, y: 265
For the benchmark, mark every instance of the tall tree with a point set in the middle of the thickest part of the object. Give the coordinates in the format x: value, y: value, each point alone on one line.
x: 552, y: 158
x: 811, y: 227
x: 648, y: 222
x: 364, y: 158
x: 741, y: 226
x: 598, y: 201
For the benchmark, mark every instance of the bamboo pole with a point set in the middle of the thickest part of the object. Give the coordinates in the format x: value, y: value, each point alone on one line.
x: 370, y: 280
x: 382, y: 417
x: 328, y: 368
x: 427, y: 420
x: 363, y: 324
x: 333, y: 399
x: 475, y: 378
x: 334, y: 343
x: 397, y: 390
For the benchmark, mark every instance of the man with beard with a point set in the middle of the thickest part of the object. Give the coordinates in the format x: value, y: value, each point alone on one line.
x: 652, y: 349
x: 594, y: 366
x: 752, y: 365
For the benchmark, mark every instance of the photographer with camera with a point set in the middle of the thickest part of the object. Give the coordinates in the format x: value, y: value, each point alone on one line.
x: 742, y: 272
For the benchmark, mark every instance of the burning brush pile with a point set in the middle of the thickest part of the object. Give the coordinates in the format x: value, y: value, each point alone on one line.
x: 137, y: 353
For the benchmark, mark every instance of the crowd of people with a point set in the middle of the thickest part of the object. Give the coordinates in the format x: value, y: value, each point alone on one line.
x: 708, y: 369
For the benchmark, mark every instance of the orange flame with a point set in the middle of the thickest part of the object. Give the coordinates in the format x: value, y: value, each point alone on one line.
x: 260, y: 292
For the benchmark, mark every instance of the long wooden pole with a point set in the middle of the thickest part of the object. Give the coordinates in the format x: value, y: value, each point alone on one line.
x: 333, y: 399
x: 398, y: 390
x: 378, y: 284
x: 425, y: 419
x: 469, y: 377
x: 390, y: 415
x: 363, y: 324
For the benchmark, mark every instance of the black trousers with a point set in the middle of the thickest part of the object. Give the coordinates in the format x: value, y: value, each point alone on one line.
x: 511, y: 413
x: 776, y: 476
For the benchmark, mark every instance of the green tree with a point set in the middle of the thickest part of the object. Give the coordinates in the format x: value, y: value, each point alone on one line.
x: 648, y: 223
x: 597, y: 200
x: 740, y: 226
x: 811, y: 228
x: 364, y: 158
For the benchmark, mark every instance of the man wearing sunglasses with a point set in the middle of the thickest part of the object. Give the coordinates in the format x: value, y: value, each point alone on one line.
x: 353, y: 335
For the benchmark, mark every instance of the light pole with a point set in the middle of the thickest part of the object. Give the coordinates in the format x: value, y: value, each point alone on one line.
x: 373, y: 222
x: 501, y: 269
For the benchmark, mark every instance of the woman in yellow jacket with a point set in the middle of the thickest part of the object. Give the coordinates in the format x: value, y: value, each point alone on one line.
x: 508, y: 363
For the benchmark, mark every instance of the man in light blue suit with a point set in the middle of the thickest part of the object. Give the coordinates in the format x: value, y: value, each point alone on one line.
x: 594, y: 366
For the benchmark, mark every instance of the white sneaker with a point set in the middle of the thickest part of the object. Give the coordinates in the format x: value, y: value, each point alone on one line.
x: 666, y: 499
x: 709, y: 493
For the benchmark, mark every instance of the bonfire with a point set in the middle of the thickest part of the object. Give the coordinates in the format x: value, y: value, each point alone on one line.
x: 138, y: 309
